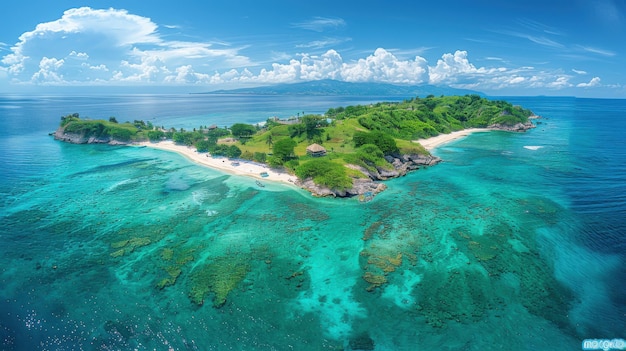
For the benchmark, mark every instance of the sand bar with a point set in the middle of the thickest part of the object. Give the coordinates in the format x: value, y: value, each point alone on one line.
x: 241, y: 167
x: 436, y: 141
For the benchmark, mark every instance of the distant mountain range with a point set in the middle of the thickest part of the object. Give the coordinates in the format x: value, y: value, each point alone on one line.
x: 334, y: 87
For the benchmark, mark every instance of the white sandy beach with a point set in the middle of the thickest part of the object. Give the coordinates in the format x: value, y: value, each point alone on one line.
x: 244, y: 168
x: 251, y: 169
x: 436, y: 141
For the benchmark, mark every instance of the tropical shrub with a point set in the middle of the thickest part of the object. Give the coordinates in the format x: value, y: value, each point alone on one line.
x: 325, y: 173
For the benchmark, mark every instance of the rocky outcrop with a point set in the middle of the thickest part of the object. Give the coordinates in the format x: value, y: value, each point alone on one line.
x: 360, y: 186
x: 76, y: 138
x: 401, y: 165
x: 519, y: 127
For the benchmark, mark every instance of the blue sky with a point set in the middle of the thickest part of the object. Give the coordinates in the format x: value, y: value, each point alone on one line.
x: 553, y: 47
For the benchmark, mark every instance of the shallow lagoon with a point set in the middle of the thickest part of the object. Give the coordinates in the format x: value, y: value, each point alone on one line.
x: 504, y: 245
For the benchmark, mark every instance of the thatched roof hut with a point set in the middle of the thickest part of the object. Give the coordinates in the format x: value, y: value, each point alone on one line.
x: 316, y: 150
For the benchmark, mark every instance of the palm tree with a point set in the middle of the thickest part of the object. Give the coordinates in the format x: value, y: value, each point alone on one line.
x: 269, y: 141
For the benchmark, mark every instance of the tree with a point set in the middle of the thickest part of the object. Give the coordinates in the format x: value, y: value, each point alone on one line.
x: 260, y: 157
x: 218, y: 150
x: 283, y: 149
x: 233, y: 151
x: 269, y: 140
x: 139, y: 124
x: 240, y: 130
x: 69, y: 118
x: 295, y: 130
x: 385, y: 142
x: 112, y: 119
x: 247, y: 155
x: 204, y: 145
x: 155, y: 135
x: 311, y: 125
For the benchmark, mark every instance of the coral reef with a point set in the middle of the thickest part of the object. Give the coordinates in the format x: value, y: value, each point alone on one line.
x: 379, y: 263
x: 375, y: 280
x: 218, y: 277
x: 362, y: 342
x: 174, y: 259
x: 461, y: 296
x: 127, y: 246
x: 173, y: 272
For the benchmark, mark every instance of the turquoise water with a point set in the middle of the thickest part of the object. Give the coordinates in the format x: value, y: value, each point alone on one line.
x: 515, y: 242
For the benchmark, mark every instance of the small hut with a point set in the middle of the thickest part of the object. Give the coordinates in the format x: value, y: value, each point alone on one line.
x: 315, y: 150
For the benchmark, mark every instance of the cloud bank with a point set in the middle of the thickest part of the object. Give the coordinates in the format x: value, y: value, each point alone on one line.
x: 113, y: 47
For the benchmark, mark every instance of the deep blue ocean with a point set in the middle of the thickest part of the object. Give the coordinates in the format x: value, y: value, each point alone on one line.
x: 517, y: 241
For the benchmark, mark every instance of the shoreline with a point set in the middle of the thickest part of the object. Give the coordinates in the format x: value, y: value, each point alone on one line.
x: 441, y: 139
x: 245, y: 168
x: 254, y: 170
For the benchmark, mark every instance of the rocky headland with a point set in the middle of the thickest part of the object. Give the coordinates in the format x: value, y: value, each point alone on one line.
x: 371, y: 182
x: 84, y: 138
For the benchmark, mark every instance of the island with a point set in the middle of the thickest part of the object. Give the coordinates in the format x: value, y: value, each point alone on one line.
x: 348, y: 151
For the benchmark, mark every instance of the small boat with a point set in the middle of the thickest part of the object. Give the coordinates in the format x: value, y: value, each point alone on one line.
x: 235, y: 164
x: 264, y: 174
x: 260, y: 184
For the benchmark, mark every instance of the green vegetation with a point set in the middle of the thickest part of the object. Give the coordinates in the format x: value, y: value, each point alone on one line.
x: 384, y: 142
x: 356, y: 135
x: 203, y: 139
x: 99, y: 128
x: 422, y: 118
x: 368, y: 156
x: 283, y: 151
x: 326, y: 173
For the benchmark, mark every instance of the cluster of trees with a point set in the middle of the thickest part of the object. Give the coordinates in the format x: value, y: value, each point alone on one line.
x: 243, y: 131
x: 430, y: 116
x: 283, y: 152
x: 384, y: 142
x: 310, y: 127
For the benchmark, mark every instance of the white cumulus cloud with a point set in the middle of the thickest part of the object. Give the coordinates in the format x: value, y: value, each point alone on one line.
x: 594, y: 82
x: 560, y: 82
x: 123, y: 42
x: 109, y: 46
x: 383, y: 66
x: 457, y: 69
x: 49, y: 71
x: 187, y: 75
